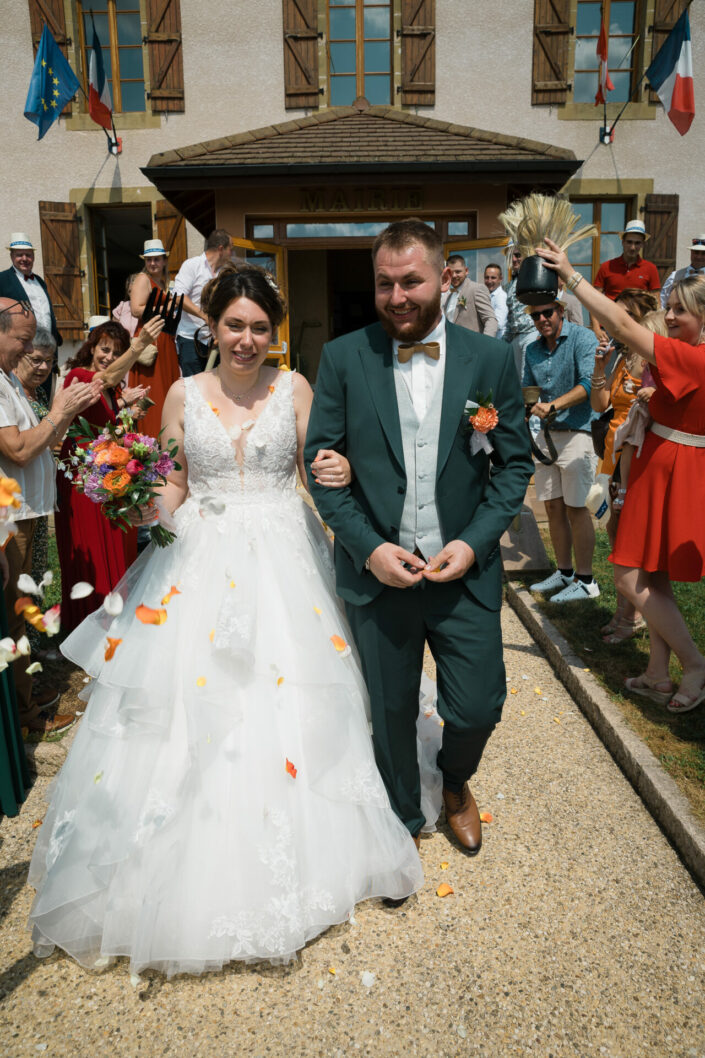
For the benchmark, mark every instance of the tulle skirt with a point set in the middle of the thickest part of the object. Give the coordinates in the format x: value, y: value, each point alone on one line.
x: 221, y: 799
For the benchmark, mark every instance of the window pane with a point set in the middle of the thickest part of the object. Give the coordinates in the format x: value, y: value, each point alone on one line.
x: 619, y: 48
x: 262, y: 231
x: 336, y: 231
x: 261, y: 258
x: 581, y: 251
x: 125, y: 5
x: 377, y: 57
x: 622, y: 85
x: 342, y: 91
x: 457, y: 227
x: 377, y: 22
x: 129, y: 29
x: 585, y: 87
x: 588, y: 21
x: 101, y: 27
x: 585, y: 211
x: 131, y: 64
x: 613, y: 216
x: 341, y: 3
x: 342, y: 58
x: 585, y: 56
x: 377, y: 89
x: 107, y: 63
x: 342, y: 24
x: 132, y: 95
x: 610, y: 246
x: 621, y: 17
x: 99, y: 5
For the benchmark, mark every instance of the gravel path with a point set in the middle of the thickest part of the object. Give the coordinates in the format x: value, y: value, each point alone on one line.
x: 576, y: 932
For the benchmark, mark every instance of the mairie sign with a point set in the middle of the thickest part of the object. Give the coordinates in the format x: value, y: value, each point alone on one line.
x: 360, y: 199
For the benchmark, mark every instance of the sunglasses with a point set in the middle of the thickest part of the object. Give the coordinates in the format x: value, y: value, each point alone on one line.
x: 24, y: 307
x: 545, y: 313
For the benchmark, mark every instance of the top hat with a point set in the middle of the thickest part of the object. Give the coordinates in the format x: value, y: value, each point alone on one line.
x: 154, y: 248
x: 635, y: 227
x: 20, y: 241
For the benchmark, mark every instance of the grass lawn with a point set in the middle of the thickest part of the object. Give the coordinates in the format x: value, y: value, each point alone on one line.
x: 677, y: 741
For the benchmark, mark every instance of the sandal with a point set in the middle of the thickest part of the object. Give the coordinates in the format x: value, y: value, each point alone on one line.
x: 645, y: 687
x: 684, y: 703
x: 624, y: 629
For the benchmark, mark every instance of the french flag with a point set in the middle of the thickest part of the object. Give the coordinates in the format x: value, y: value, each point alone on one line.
x: 100, y: 105
x: 671, y: 75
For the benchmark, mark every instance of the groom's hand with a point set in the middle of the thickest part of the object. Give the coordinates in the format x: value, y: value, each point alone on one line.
x: 452, y: 562
x: 388, y: 563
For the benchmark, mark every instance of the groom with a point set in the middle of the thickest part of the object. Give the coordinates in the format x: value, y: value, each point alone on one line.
x: 417, y: 531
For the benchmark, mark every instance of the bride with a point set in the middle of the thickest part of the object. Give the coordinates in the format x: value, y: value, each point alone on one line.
x: 221, y: 799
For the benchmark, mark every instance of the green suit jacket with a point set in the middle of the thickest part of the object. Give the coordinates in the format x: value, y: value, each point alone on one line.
x: 355, y: 412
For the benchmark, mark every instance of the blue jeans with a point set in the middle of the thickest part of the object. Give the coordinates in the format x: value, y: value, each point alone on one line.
x: 189, y: 360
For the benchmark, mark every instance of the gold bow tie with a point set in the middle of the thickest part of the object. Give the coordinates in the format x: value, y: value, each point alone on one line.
x: 407, y: 350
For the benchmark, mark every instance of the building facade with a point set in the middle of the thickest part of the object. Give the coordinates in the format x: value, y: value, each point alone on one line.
x: 304, y: 126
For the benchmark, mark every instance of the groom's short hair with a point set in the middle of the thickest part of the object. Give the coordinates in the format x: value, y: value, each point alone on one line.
x: 401, y: 234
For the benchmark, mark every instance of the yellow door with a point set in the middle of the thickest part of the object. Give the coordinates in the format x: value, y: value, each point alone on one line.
x: 273, y: 259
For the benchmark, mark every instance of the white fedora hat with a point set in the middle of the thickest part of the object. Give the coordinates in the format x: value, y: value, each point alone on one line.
x: 698, y: 243
x: 20, y: 241
x: 635, y: 227
x: 154, y: 248
x: 96, y: 321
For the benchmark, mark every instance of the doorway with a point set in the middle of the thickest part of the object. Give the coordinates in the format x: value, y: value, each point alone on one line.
x: 118, y: 235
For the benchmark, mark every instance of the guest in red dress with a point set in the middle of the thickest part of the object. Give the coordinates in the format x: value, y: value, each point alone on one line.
x: 661, y: 535
x: 91, y: 548
x: 164, y: 368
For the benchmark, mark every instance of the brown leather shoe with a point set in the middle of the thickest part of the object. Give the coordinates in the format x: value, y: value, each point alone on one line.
x: 39, y: 724
x: 417, y: 841
x: 463, y: 818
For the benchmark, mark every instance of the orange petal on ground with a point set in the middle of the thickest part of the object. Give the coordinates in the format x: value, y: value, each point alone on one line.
x: 486, y: 817
x: 170, y: 595
x: 513, y: 690
x: 339, y: 643
x: 290, y: 768
x: 444, y: 889
x: 112, y: 646
x: 148, y: 616
x: 37, y: 823
x: 445, y: 865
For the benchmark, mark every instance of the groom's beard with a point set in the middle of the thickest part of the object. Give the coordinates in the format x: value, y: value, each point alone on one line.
x: 425, y: 320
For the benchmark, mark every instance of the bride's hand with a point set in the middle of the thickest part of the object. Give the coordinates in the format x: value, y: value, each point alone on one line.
x: 331, y: 469
x: 555, y: 259
x: 147, y: 515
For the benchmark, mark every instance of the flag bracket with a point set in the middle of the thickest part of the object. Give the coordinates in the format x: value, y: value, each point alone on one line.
x: 115, y: 145
x: 606, y: 134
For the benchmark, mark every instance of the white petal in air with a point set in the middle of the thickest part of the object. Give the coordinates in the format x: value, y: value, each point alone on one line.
x: 23, y: 646
x: 81, y: 590
x: 36, y: 666
x: 47, y: 579
x: 113, y: 604
x: 26, y: 583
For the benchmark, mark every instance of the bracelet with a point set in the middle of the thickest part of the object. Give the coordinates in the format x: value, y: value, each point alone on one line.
x: 573, y: 280
x: 48, y: 418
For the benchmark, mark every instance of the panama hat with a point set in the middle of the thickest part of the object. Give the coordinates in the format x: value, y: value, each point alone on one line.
x: 96, y: 321
x: 698, y: 243
x: 635, y: 227
x: 154, y: 248
x: 19, y: 241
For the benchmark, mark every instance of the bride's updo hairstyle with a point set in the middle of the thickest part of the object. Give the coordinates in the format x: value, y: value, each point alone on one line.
x: 243, y: 281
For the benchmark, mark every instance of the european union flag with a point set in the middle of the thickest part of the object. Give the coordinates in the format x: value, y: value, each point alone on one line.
x: 53, y: 84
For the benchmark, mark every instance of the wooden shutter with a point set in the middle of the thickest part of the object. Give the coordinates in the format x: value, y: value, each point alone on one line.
x: 301, y: 87
x: 666, y: 14
x: 661, y: 221
x: 166, y: 64
x: 550, y: 62
x: 51, y: 12
x: 58, y: 223
x: 171, y: 229
x: 418, y: 53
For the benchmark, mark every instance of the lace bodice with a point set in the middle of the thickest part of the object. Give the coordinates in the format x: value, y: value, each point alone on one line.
x: 268, y: 464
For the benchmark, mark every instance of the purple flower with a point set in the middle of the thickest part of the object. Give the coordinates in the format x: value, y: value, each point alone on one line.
x: 164, y: 465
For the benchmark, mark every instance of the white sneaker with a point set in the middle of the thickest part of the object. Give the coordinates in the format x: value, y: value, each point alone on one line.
x: 577, y: 591
x: 552, y: 583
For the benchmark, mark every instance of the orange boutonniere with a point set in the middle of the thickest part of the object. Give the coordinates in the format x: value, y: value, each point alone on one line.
x: 480, y: 417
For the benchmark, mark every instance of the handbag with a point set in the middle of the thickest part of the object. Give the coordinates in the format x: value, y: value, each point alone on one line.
x: 599, y: 428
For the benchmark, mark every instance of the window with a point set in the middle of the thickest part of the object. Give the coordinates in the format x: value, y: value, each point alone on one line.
x: 119, y: 28
x: 610, y: 216
x: 359, y: 51
x: 622, y: 20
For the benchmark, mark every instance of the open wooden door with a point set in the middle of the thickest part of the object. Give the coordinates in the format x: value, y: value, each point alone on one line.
x: 272, y: 258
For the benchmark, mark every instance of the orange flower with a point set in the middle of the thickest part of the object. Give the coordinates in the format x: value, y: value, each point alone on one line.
x: 444, y: 889
x: 117, y: 482
x: 290, y: 768
x: 8, y: 488
x: 148, y: 616
x: 170, y: 594
x: 485, y: 419
x: 112, y: 646
x: 112, y: 454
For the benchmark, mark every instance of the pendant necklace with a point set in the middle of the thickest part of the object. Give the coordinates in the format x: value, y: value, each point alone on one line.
x: 237, y: 397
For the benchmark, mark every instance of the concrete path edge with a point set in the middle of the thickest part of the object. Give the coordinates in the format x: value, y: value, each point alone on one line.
x: 658, y: 791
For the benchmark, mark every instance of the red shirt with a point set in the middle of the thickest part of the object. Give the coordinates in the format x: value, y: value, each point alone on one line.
x: 615, y: 276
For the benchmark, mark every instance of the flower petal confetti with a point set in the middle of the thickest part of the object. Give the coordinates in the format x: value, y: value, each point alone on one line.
x: 201, y: 681
x: 37, y: 823
x: 36, y: 666
x: 445, y: 865
x: 170, y: 595
x: 23, y: 646
x: 148, y: 616
x: 97, y: 777
x: 280, y: 681
x: 290, y: 768
x: 340, y: 645
x: 113, y: 603
x: 444, y: 890
x: 513, y: 690
x: 81, y: 590
x: 486, y: 817
x: 211, y: 634
x: 332, y: 970
x: 367, y: 979
x: 317, y: 610
x: 27, y: 583
x: 52, y: 620
x: 112, y: 646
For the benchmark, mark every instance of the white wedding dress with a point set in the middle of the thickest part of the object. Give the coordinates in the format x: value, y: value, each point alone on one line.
x: 221, y: 799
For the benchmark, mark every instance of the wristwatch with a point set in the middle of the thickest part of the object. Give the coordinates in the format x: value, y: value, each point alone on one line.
x: 367, y: 562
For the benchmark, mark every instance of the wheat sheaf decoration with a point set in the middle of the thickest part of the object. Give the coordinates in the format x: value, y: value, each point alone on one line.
x: 529, y: 220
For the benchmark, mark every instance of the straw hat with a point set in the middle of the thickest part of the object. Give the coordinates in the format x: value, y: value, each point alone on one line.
x: 19, y: 241
x: 153, y: 248
x: 96, y: 321
x: 635, y: 227
x: 698, y: 243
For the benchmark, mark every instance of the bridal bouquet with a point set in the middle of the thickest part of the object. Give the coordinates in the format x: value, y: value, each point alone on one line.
x: 121, y: 470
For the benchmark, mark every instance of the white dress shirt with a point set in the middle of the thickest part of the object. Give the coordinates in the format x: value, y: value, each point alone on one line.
x: 41, y: 306
x: 190, y: 280
x: 498, y: 298
x: 450, y: 302
x: 421, y: 374
x: 37, y: 480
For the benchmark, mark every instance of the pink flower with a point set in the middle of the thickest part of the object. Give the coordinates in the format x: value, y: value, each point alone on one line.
x: 130, y: 438
x: 134, y: 467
